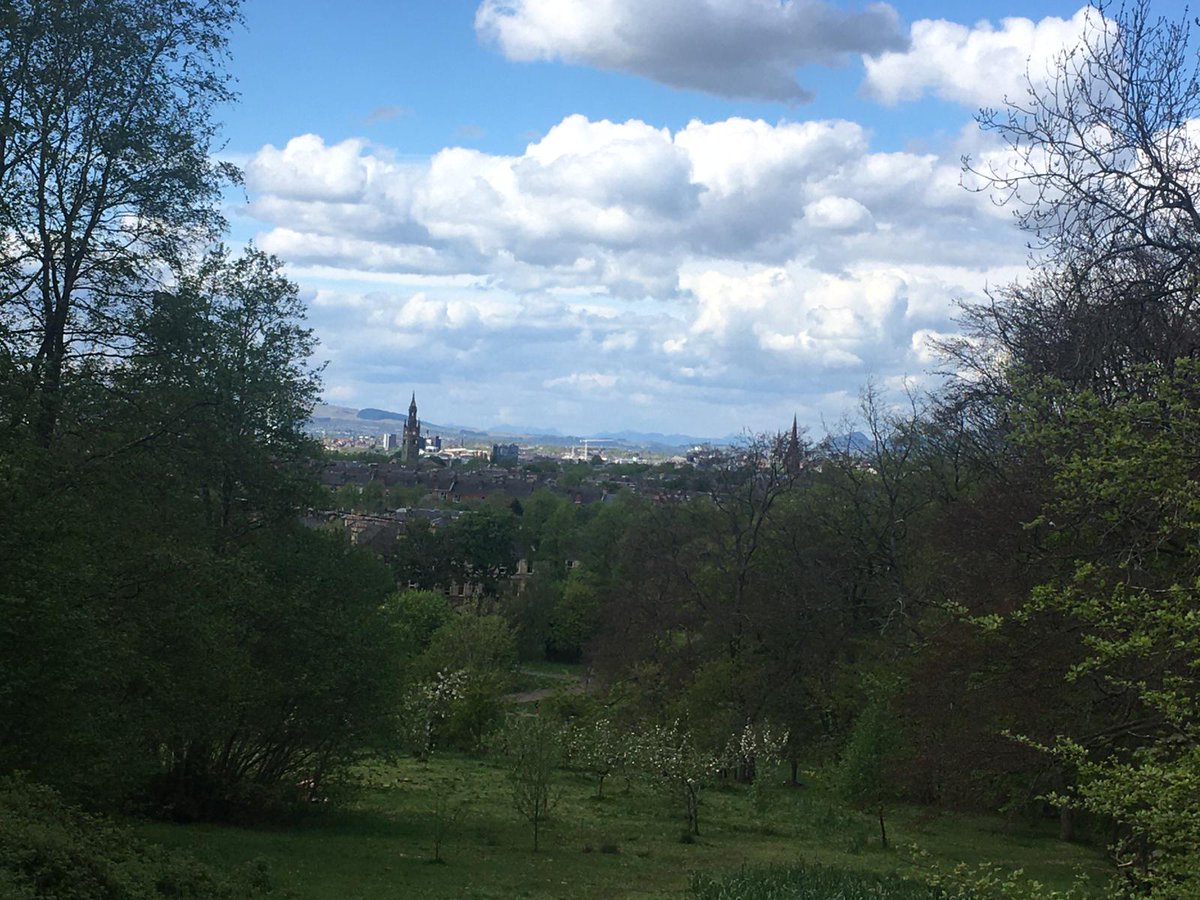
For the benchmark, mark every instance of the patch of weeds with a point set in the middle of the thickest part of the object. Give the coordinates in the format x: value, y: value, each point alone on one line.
x: 856, y: 841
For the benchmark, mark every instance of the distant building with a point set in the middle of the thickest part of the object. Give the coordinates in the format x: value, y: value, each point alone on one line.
x: 410, y: 450
x: 792, y: 451
x: 505, y: 453
x: 390, y: 442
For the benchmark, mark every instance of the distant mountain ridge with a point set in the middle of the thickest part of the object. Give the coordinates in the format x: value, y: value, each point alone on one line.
x: 329, y: 417
x: 378, y: 414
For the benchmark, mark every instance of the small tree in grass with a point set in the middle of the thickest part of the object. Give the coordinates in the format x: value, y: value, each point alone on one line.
x: 755, y: 750
x: 597, y: 747
x: 535, y: 748
x: 862, y: 776
x: 670, y: 754
x: 426, y: 705
x: 447, y: 810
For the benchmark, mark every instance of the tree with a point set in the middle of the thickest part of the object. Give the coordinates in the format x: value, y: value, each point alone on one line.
x: 597, y: 746
x: 671, y: 754
x: 535, y: 749
x: 863, y: 777
x: 107, y: 178
x: 1124, y: 514
x: 483, y: 651
x: 220, y: 379
x: 1100, y: 168
x: 481, y: 549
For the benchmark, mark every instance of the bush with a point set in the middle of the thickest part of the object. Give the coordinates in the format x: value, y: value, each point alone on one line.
x: 53, y: 850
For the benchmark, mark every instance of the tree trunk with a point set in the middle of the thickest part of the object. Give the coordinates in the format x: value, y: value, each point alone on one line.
x: 1066, y: 824
x: 882, y: 829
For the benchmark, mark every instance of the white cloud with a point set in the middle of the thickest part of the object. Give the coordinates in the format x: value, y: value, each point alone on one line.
x: 976, y: 66
x: 735, y: 264
x: 838, y: 214
x: 733, y: 48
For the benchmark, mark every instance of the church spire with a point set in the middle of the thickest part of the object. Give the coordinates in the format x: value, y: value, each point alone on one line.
x: 792, y: 456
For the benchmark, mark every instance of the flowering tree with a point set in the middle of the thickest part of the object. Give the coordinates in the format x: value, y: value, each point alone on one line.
x: 670, y: 754
x: 427, y: 704
x: 753, y: 750
x: 599, y: 748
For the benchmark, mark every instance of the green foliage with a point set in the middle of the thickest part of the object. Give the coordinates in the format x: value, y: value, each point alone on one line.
x: 988, y: 881
x: 481, y: 653
x: 49, y: 849
x: 573, y: 619
x: 863, y: 775
x: 1125, y: 512
x: 534, y: 746
x: 418, y: 615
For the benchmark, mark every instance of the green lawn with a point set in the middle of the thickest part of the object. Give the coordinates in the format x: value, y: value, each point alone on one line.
x: 627, y: 845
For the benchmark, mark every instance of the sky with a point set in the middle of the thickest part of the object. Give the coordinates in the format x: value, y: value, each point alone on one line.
x: 696, y: 216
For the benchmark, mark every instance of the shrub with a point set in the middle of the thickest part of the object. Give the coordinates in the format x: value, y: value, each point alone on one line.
x: 49, y: 849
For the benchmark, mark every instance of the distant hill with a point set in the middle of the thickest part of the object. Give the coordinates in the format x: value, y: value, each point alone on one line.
x: 371, y: 420
x: 378, y: 414
x: 854, y: 442
x: 664, y: 440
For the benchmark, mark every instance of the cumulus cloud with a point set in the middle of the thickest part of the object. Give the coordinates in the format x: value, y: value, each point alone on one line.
x: 977, y: 66
x: 618, y: 206
x: 724, y: 265
x: 732, y: 48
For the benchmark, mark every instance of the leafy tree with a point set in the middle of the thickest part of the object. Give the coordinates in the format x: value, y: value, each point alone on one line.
x: 535, y: 749
x: 419, y: 615
x: 573, y: 619
x: 106, y: 178
x: 862, y: 776
x: 1124, y: 512
x: 421, y: 557
x: 671, y: 755
x: 483, y: 649
x: 596, y: 745
x: 481, y: 548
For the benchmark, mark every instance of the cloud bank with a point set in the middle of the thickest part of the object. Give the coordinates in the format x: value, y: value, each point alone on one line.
x: 617, y: 269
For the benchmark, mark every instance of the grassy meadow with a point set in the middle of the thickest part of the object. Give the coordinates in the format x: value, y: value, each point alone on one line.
x: 381, y: 842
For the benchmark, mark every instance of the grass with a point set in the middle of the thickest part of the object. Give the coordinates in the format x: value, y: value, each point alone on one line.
x: 380, y: 845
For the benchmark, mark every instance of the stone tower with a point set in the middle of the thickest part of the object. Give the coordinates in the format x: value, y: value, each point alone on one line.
x: 410, y: 450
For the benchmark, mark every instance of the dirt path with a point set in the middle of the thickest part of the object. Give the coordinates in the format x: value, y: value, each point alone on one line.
x: 570, y: 684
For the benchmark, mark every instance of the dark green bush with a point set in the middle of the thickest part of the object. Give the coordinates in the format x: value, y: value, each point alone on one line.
x: 49, y: 849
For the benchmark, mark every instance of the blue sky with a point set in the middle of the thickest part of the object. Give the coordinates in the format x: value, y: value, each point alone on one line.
x: 696, y: 215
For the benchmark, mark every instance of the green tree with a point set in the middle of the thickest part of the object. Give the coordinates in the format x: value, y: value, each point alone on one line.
x: 481, y: 548
x: 535, y: 750
x: 863, y: 775
x: 1123, y: 512
x: 106, y: 178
